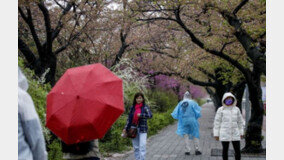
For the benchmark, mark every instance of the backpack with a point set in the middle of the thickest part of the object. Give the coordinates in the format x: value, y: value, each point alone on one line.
x: 78, y: 148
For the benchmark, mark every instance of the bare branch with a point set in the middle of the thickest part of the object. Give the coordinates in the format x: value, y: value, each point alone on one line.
x: 28, y: 19
x: 23, y: 14
x: 59, y: 23
x: 47, y: 27
x: 207, y: 73
x: 122, y: 49
x: 72, y: 38
x: 153, y: 10
x: 59, y: 4
x: 156, y: 19
x: 236, y: 10
x: 224, y: 46
x: 161, y: 53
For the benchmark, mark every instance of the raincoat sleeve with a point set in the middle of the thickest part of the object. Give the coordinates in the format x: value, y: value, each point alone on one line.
x: 197, y: 110
x: 31, y: 126
x: 175, y: 112
x: 147, y: 113
x: 241, y: 122
x: 217, y: 123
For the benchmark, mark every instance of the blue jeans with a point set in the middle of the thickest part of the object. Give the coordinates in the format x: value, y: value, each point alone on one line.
x: 139, y: 145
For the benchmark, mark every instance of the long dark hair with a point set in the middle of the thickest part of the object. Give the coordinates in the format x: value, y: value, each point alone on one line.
x: 137, y: 95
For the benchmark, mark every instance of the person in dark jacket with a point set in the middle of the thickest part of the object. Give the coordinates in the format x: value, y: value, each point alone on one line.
x: 138, y: 115
x: 82, y: 151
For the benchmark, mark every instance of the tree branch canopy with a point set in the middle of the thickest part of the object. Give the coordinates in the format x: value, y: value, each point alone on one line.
x: 201, y: 45
x: 189, y: 78
x: 204, y: 71
x: 156, y: 19
x: 246, y: 41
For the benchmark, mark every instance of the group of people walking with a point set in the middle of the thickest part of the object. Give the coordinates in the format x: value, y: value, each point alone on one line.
x: 228, y: 127
x: 228, y: 124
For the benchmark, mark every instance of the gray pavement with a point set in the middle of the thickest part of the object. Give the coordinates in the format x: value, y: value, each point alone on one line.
x: 167, y: 145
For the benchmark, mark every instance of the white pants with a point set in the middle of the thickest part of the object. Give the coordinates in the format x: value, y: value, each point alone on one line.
x: 188, y: 142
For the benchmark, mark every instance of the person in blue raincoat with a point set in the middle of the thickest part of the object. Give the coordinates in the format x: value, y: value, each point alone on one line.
x: 187, y: 112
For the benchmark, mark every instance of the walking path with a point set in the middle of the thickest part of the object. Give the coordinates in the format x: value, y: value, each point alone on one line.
x: 167, y: 145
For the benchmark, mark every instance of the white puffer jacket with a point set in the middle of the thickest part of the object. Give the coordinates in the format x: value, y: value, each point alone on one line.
x: 228, y: 123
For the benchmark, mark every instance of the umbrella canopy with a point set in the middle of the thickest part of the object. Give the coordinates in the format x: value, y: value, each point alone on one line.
x: 84, y: 103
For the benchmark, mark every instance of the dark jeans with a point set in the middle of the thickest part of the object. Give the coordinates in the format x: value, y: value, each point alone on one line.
x: 236, y: 145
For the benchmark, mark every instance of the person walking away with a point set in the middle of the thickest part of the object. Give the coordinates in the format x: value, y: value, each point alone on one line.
x: 138, y: 115
x: 229, y: 125
x: 31, y: 144
x: 187, y: 113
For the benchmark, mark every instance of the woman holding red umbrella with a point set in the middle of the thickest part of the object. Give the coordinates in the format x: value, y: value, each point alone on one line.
x: 138, y: 115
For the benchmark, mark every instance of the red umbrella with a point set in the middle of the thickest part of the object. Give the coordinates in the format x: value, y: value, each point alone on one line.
x: 84, y: 103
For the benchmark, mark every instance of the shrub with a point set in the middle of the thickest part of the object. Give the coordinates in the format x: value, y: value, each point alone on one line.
x: 112, y: 141
x: 159, y: 121
x: 164, y: 100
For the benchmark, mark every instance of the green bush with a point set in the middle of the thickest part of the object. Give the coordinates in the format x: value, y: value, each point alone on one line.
x: 164, y: 100
x: 112, y: 141
x: 159, y: 121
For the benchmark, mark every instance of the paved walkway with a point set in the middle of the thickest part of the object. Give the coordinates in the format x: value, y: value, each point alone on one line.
x: 168, y: 146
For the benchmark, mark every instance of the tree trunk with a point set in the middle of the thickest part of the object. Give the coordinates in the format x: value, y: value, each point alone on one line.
x: 238, y: 91
x: 48, y: 61
x: 217, y: 101
x: 253, y: 136
x: 50, y: 76
x: 215, y: 98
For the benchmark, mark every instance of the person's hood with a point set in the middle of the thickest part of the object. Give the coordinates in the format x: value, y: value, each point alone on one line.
x: 226, y: 95
x: 22, y: 80
x: 187, y: 95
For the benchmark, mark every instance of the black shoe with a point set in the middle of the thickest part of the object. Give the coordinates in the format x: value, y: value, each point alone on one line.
x: 198, y: 153
x: 187, y: 153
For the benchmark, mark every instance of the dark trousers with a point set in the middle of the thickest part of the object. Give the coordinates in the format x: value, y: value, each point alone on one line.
x: 236, y: 145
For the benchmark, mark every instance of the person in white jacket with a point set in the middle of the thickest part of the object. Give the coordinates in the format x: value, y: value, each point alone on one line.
x: 31, y: 144
x: 229, y: 125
